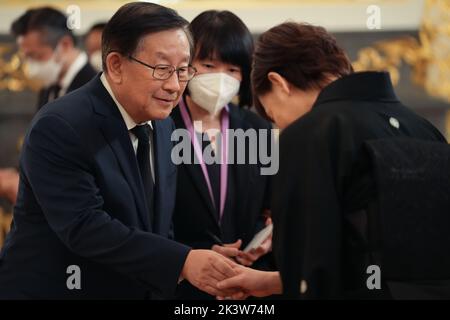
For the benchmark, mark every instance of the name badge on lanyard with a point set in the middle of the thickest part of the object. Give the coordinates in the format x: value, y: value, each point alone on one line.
x: 224, y: 124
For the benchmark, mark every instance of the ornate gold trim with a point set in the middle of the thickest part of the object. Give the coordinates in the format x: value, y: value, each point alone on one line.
x: 428, y: 56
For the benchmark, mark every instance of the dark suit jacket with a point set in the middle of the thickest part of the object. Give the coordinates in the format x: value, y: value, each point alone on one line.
x: 81, y: 78
x: 322, y: 180
x: 195, y: 218
x: 81, y: 202
x: 193, y: 202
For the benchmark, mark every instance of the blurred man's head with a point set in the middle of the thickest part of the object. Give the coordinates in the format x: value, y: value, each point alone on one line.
x: 93, y: 45
x: 146, y: 50
x: 45, y: 42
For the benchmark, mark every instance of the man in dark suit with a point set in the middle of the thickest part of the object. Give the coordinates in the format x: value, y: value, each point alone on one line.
x: 49, y: 49
x: 97, y: 185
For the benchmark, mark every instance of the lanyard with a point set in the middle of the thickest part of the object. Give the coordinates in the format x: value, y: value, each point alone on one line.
x: 224, y: 123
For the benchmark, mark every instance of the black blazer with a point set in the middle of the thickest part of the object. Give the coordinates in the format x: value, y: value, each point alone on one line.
x: 81, y: 202
x: 248, y: 195
x: 195, y: 219
x: 81, y: 78
x: 322, y: 180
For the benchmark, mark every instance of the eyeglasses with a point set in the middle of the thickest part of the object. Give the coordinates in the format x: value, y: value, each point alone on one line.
x: 165, y: 71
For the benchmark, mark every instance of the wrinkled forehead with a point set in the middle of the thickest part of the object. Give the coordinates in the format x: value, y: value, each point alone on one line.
x: 171, y: 46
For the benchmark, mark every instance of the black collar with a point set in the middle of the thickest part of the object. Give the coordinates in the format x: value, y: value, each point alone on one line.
x: 368, y: 86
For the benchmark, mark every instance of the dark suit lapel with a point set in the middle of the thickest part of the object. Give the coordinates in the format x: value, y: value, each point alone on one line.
x: 43, y: 98
x: 195, y: 172
x: 116, y: 133
x: 161, y: 152
x: 82, y: 77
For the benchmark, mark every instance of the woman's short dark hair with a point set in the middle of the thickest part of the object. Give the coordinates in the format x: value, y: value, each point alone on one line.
x: 223, y: 34
x: 135, y: 20
x: 305, y: 55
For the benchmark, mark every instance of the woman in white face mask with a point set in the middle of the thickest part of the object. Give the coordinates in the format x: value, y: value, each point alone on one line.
x: 228, y: 202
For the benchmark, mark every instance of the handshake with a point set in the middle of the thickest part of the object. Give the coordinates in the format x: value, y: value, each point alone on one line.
x: 217, y: 273
x: 225, y: 279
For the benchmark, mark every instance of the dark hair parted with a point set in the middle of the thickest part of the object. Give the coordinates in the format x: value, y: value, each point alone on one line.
x: 305, y: 55
x: 135, y: 20
x: 50, y: 22
x: 222, y: 35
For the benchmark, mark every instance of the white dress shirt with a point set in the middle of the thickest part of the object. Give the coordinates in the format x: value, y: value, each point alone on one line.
x: 71, y: 73
x: 129, y: 122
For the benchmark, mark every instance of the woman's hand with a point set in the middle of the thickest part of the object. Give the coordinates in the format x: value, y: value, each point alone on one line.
x: 251, y: 282
x: 230, y: 250
x: 248, y: 258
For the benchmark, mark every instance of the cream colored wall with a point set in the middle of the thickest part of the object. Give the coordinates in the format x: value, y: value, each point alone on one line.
x: 259, y: 15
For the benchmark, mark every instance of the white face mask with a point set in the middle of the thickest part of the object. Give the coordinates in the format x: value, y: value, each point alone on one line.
x: 212, y: 91
x: 96, y: 60
x: 47, y: 72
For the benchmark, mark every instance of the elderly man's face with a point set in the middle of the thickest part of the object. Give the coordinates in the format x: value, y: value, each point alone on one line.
x: 144, y: 97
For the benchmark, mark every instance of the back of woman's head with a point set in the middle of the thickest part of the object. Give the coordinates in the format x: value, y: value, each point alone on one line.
x: 222, y: 35
x: 305, y: 55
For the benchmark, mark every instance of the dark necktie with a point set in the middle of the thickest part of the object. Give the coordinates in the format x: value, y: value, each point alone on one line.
x: 54, y: 92
x: 142, y: 132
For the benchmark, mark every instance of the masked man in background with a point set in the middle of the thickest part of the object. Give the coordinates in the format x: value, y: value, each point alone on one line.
x: 49, y: 49
x: 51, y: 56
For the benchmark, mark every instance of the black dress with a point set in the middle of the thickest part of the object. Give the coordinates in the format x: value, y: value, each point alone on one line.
x: 323, y: 178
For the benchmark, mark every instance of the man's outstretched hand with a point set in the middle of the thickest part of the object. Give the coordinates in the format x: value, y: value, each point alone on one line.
x: 205, y: 268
